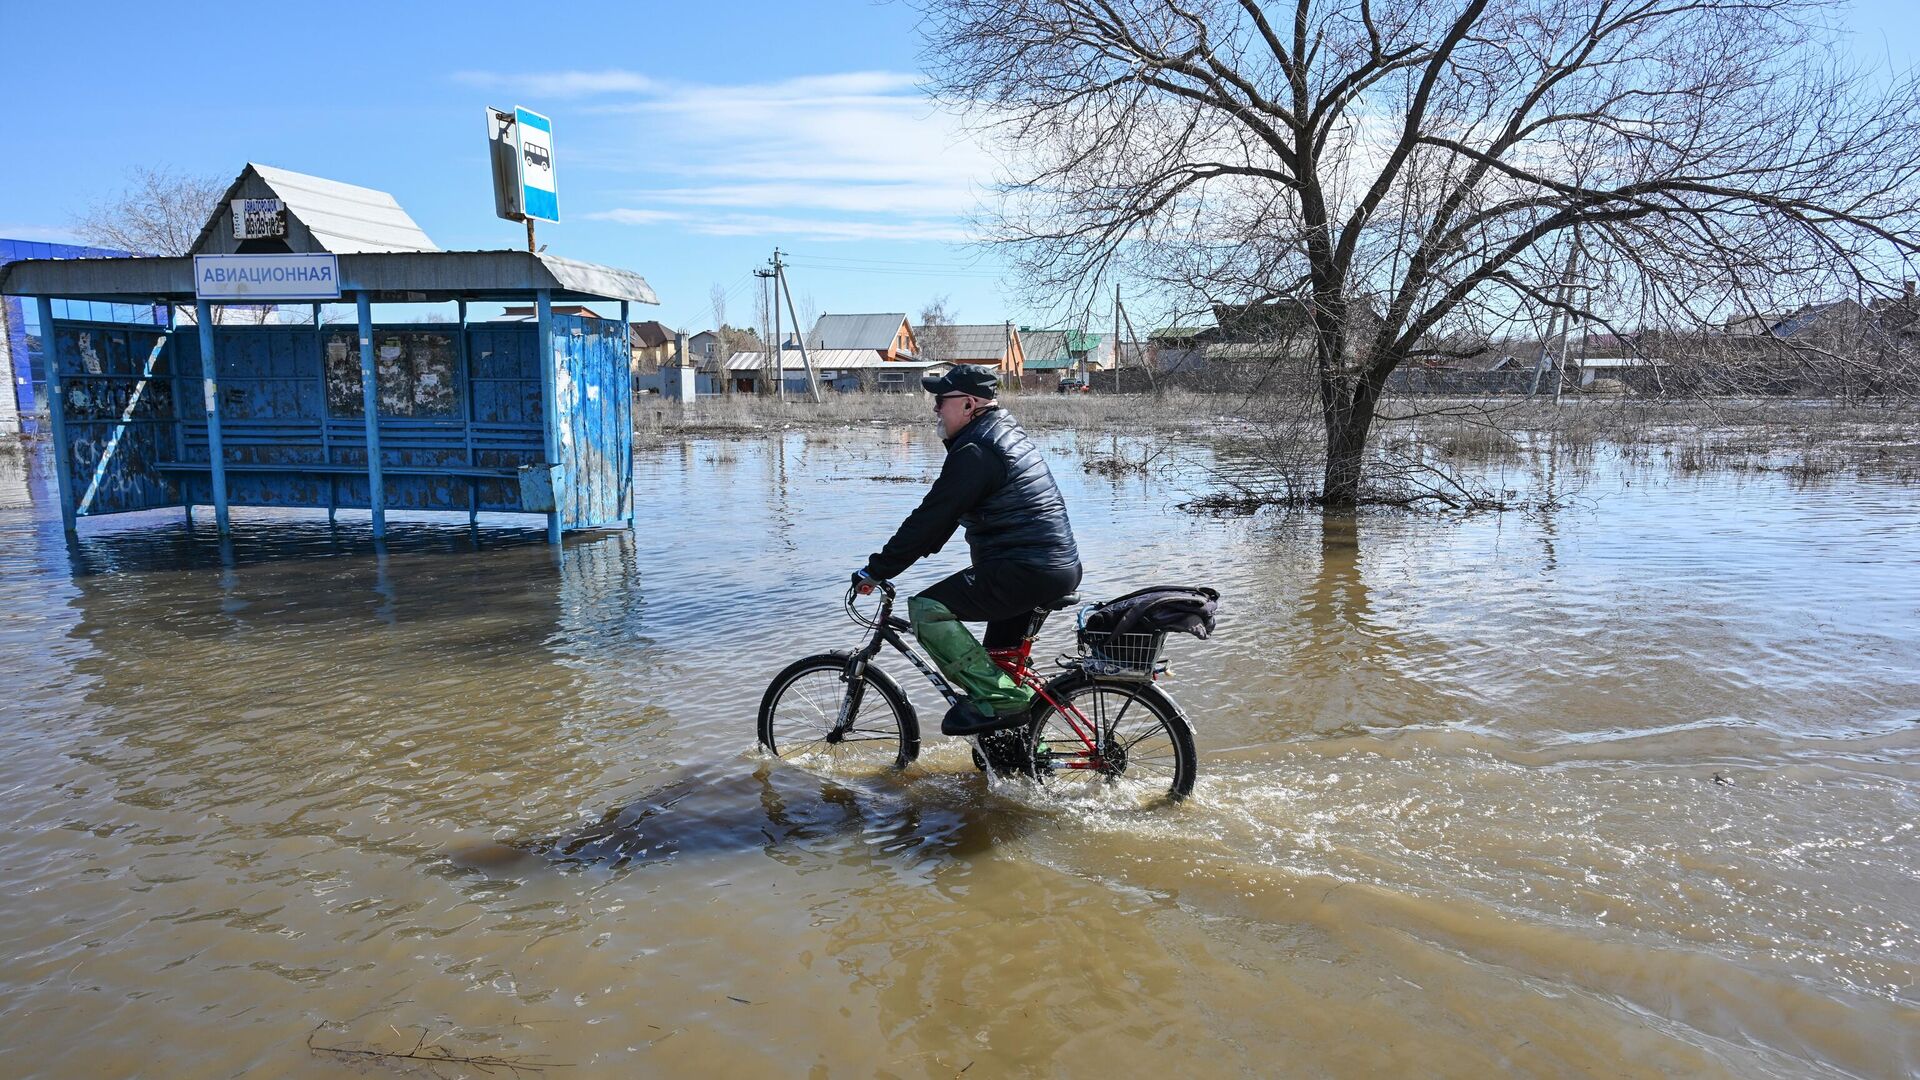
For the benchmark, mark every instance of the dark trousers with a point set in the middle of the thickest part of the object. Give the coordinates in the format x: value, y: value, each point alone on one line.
x: 1003, y: 595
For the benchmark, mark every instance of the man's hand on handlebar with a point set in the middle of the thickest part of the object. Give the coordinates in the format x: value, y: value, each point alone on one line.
x: 864, y: 583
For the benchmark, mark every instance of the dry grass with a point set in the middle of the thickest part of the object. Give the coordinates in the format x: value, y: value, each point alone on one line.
x: 1101, y: 414
x: 1120, y: 433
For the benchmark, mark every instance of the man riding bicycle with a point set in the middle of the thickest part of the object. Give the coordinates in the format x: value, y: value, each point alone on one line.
x: 995, y: 484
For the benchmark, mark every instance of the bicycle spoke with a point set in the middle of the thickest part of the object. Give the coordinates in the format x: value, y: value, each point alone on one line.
x: 1136, y: 748
x: 802, y: 719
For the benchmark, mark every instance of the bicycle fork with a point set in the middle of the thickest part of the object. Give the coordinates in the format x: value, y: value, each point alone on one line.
x: 855, y: 677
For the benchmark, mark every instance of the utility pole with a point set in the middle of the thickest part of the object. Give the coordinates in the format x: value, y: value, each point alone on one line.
x: 780, y: 344
x: 1566, y: 297
x: 1146, y: 364
x: 1553, y: 323
x: 800, y: 333
x: 766, y: 289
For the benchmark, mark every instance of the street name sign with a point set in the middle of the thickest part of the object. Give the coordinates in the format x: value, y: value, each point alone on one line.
x: 266, y: 277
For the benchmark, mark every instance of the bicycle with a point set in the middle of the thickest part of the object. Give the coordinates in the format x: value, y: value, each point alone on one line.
x: 1080, y: 728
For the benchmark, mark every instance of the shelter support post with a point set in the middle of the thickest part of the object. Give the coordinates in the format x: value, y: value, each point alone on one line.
x: 57, y: 413
x: 549, y: 400
x: 466, y: 398
x: 370, y: 395
x: 626, y: 477
x: 210, y: 386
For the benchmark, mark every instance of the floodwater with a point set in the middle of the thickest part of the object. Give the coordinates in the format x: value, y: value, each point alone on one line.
x: 1628, y: 788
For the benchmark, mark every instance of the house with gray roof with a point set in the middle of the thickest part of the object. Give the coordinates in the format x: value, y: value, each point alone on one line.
x: 994, y: 345
x: 843, y: 370
x: 887, y: 333
x: 1059, y: 355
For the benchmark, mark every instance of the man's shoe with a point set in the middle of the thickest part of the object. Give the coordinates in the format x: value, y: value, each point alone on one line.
x: 964, y: 719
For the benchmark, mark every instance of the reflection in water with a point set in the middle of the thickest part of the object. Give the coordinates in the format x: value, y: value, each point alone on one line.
x: 1456, y: 812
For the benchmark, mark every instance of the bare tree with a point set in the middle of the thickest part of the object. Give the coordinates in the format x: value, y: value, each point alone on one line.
x: 1410, y: 173
x: 160, y: 212
x: 935, y: 331
x: 733, y: 339
x: 808, y: 317
x: 718, y: 295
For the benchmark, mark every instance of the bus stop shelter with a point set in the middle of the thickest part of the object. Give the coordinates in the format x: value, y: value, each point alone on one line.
x: 495, y: 416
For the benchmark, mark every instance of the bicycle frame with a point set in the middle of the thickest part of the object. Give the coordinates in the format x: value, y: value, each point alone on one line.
x: 1015, y: 661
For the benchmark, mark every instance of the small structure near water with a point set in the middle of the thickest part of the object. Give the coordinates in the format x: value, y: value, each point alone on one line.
x: 508, y: 416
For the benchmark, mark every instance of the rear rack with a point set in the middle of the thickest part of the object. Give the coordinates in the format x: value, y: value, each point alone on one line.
x: 1119, y: 656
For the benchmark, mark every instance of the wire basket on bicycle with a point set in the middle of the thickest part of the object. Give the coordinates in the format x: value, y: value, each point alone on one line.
x: 1125, y: 637
x: 1122, y: 656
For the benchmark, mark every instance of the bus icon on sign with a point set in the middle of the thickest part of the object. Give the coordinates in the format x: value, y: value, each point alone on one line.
x: 537, y: 155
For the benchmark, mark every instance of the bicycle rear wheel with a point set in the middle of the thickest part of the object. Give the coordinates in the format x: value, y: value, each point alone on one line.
x: 801, y: 706
x: 1125, y: 736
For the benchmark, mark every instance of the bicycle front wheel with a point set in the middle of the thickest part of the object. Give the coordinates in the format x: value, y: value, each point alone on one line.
x: 800, y: 718
x: 1127, y: 737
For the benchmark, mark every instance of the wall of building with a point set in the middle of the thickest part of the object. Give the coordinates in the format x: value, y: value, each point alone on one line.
x: 25, y: 407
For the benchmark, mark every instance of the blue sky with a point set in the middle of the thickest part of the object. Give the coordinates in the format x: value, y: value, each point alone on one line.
x: 690, y: 139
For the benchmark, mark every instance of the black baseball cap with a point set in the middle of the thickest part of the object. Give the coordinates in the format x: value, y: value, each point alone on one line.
x: 976, y: 379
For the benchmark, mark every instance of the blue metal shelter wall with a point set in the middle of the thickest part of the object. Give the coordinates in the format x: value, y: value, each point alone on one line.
x: 119, y: 404
x: 593, y: 384
x: 458, y: 415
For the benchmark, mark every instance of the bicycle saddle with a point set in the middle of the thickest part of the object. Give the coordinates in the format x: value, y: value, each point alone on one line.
x: 1062, y: 604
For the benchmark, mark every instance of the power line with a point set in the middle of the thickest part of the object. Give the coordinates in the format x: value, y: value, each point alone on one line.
x: 977, y: 275
x: 732, y: 293
x: 863, y: 259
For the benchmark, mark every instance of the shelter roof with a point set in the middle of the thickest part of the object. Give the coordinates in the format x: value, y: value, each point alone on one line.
x: 875, y: 331
x: 345, y: 219
x: 407, y: 277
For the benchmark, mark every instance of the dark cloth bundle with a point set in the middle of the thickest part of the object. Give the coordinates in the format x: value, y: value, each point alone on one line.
x: 1158, y: 609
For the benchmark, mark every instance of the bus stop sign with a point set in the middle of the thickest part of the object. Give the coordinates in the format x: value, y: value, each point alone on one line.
x: 534, y: 133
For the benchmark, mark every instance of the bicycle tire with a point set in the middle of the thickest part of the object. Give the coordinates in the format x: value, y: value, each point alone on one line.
x: 1170, y: 759
x: 776, y: 727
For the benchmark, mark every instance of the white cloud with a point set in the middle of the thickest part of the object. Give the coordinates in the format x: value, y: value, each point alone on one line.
x: 849, y: 156
x: 562, y: 84
x: 842, y: 196
x: 795, y: 228
x: 634, y: 217
x: 45, y: 234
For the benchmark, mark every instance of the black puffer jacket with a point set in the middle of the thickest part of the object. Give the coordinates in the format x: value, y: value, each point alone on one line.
x: 996, y: 485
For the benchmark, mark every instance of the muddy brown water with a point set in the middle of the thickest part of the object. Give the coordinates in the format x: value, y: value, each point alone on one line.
x: 1629, y: 788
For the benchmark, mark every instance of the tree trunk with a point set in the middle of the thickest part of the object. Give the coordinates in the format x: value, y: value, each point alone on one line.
x: 1348, y: 407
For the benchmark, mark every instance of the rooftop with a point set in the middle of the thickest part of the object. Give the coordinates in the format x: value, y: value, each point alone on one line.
x: 872, y: 331
x: 972, y: 341
x: 343, y: 218
x: 827, y: 360
x: 407, y: 277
